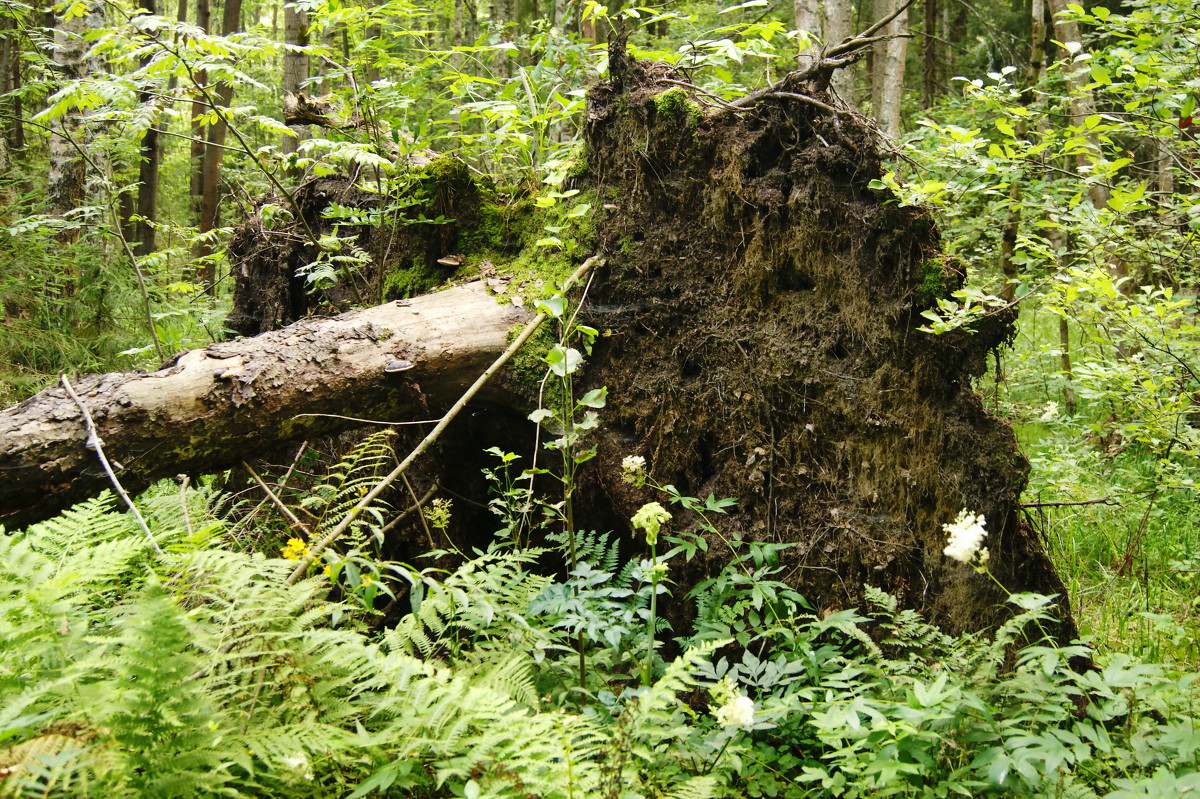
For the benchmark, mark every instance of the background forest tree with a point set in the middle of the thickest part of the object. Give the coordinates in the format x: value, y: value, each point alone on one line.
x: 1055, y: 144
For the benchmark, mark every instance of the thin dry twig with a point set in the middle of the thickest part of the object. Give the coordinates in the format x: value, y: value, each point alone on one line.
x: 276, y: 500
x: 417, y: 504
x: 96, y: 444
x: 806, y: 99
x: 428, y: 495
x: 187, y: 516
x: 1100, y: 501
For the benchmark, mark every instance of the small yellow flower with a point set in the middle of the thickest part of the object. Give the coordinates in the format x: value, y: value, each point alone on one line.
x: 296, y: 549
x: 649, y: 519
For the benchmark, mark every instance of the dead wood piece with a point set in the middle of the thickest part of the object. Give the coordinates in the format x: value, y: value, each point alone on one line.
x: 300, y: 109
x: 208, y: 409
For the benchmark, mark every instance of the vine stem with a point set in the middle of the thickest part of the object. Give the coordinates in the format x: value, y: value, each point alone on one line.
x: 717, y: 759
x: 435, y: 433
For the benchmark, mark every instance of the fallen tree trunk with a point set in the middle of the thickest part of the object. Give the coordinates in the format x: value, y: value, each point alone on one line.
x: 208, y: 409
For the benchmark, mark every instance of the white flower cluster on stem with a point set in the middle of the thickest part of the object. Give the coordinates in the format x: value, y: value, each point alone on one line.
x: 738, y: 712
x: 633, y: 470
x: 966, y: 536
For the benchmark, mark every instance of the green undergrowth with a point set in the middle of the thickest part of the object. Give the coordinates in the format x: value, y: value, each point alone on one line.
x: 201, y: 671
x: 1119, y: 516
x: 195, y: 654
x: 537, y: 243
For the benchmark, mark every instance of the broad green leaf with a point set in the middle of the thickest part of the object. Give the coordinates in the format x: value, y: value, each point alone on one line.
x: 596, y: 398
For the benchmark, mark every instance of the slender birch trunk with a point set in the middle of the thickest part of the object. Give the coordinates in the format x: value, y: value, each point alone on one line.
x: 887, y: 76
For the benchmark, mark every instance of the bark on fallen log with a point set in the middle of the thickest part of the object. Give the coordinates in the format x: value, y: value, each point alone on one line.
x: 208, y: 409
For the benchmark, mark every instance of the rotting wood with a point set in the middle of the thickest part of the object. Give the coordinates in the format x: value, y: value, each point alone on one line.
x: 208, y: 409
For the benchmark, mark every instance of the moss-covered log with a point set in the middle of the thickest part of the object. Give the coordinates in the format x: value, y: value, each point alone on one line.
x: 208, y: 409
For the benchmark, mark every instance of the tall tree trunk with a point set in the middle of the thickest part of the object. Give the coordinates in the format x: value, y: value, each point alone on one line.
x: 295, y: 64
x: 930, y: 53
x: 838, y: 22
x: 147, y: 198
x: 210, y: 197
x: 148, y: 168
x: 1070, y: 404
x: 1083, y: 105
x: 204, y: 23
x: 7, y: 192
x: 1012, y: 225
x: 504, y: 13
x: 806, y: 15
x: 457, y: 35
x: 68, y: 173
x: 329, y: 43
x: 374, y: 34
x: 887, y: 75
x: 1082, y: 101
x: 10, y: 83
x: 830, y: 22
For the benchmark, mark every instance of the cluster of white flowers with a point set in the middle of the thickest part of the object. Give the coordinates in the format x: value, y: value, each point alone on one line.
x: 1050, y: 413
x: 738, y: 712
x: 633, y: 468
x: 966, y: 536
x: 299, y: 762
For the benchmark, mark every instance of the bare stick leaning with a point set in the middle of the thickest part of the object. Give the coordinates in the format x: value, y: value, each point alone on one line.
x: 435, y: 433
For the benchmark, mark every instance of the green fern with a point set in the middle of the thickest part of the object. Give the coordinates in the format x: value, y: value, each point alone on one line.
x: 159, y: 722
x: 489, y: 593
x: 356, y: 474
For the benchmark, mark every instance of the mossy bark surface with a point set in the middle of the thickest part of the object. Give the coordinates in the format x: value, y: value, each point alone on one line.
x: 765, y: 302
x: 405, y: 240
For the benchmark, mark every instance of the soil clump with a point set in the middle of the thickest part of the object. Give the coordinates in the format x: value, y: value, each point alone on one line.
x: 764, y: 304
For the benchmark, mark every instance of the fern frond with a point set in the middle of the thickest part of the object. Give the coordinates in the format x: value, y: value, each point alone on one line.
x: 47, y: 766
x: 662, y: 697
x: 354, y: 476
x: 490, y: 592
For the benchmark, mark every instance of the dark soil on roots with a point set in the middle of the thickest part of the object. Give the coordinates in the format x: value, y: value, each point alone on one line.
x: 763, y: 304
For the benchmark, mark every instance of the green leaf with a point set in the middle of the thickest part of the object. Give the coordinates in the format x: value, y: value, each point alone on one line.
x: 748, y: 4
x: 553, y: 307
x: 563, y: 360
x: 596, y: 398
